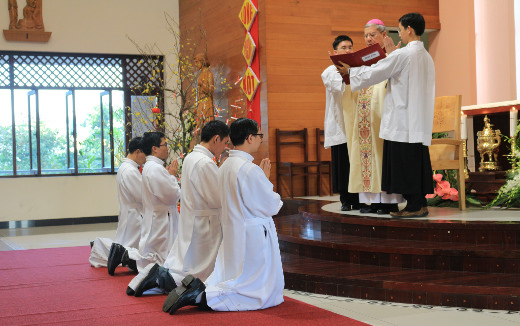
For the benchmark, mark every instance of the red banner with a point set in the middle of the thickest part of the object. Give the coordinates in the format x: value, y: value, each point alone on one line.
x: 249, y: 17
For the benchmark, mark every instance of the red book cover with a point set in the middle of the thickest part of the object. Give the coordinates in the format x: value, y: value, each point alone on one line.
x: 364, y: 57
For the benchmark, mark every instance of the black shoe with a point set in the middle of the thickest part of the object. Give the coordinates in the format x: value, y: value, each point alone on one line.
x: 188, y: 297
x: 345, y: 208
x: 387, y: 208
x: 130, y: 291
x: 165, y: 280
x: 204, y: 303
x: 130, y: 263
x: 356, y: 207
x: 115, y: 257
x: 368, y: 209
x: 149, y: 282
x: 181, y: 296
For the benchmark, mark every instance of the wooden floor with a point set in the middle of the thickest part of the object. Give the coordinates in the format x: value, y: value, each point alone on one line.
x: 454, y: 263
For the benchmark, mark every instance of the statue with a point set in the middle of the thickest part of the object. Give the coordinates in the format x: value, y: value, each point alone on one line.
x: 488, y: 141
x: 12, y: 7
x: 32, y: 16
x: 204, y: 96
x: 30, y: 28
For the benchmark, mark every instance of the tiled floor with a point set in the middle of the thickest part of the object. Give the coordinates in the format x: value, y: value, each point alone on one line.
x: 372, y: 312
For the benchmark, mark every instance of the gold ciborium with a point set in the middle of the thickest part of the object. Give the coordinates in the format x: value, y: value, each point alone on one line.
x: 488, y: 141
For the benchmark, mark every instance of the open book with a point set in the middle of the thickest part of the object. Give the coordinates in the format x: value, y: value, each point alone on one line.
x: 364, y: 57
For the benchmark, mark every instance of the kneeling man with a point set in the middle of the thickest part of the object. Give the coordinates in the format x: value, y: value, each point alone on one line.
x: 195, y: 250
x: 248, y: 272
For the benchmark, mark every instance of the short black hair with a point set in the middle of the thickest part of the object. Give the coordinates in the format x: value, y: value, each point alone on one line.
x: 241, y: 129
x: 414, y: 20
x: 150, y: 139
x: 213, y: 128
x: 134, y: 144
x: 340, y: 39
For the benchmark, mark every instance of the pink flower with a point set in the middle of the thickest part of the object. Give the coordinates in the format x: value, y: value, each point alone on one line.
x: 452, y: 195
x: 437, y: 177
x: 443, y: 188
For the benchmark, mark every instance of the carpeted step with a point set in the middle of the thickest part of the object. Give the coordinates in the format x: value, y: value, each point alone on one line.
x: 394, y: 284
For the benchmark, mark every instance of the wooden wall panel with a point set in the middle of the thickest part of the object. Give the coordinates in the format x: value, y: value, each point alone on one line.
x: 295, y: 36
x: 298, y: 36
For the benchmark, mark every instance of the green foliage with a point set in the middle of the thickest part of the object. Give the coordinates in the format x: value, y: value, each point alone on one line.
x: 53, y: 147
x: 509, y: 194
x: 89, y: 150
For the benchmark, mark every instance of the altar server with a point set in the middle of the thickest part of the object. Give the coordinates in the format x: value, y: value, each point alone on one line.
x: 248, y: 272
x: 160, y: 192
x: 334, y: 125
x: 407, y: 121
x: 200, y: 234
x: 362, y: 110
x: 129, y: 184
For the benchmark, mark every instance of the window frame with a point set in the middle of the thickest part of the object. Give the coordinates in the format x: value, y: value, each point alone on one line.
x: 133, y: 70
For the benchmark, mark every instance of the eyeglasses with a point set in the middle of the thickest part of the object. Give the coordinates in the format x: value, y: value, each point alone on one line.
x: 261, y: 135
x: 165, y: 144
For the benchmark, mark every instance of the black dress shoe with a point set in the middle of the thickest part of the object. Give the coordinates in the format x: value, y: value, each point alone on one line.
x: 176, y: 293
x: 356, y: 207
x: 165, y: 280
x: 149, y: 282
x: 184, y: 295
x: 158, y: 277
x: 130, y: 291
x: 130, y: 263
x: 188, y: 297
x: 115, y: 257
x: 368, y: 209
x: 345, y: 208
x: 387, y: 209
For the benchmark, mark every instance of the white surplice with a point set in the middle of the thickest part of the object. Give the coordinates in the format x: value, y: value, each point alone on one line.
x: 410, y: 95
x: 334, y: 125
x: 248, y: 272
x: 128, y: 233
x: 161, y: 192
x: 195, y: 250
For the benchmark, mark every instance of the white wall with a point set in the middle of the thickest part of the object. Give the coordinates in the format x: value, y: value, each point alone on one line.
x: 93, y: 26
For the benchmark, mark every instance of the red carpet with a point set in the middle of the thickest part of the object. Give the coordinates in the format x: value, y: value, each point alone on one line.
x: 58, y: 286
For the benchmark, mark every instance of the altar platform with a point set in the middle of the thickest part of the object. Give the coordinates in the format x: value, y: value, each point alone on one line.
x: 450, y: 258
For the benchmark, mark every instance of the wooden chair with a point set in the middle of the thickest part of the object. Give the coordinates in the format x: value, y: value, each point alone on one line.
x: 320, y: 140
x: 446, y: 153
x: 294, y: 139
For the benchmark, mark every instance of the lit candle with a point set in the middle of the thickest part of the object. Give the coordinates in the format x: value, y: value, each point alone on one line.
x: 463, y: 127
x: 513, y: 119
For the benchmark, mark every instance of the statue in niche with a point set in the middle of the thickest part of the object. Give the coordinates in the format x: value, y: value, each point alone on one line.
x: 205, y: 88
x: 32, y: 16
x: 204, y: 96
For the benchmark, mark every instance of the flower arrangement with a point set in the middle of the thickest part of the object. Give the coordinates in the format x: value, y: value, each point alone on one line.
x: 174, y: 84
x: 442, y: 192
x: 509, y: 193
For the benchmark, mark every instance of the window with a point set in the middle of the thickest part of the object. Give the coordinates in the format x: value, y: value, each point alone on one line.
x: 69, y: 113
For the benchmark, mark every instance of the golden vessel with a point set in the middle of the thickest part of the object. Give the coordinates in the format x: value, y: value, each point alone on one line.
x: 488, y: 141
